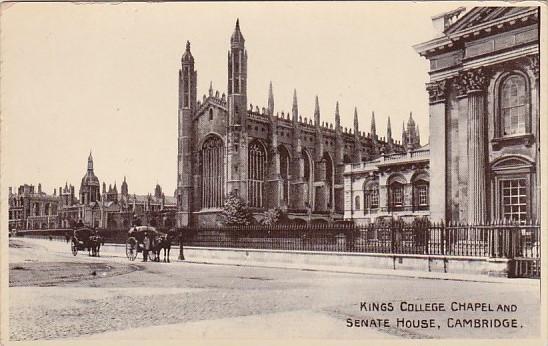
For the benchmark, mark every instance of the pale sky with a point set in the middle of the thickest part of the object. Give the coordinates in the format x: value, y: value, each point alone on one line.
x: 104, y: 77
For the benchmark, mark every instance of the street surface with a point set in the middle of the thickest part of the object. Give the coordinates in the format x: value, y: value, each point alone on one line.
x: 55, y: 295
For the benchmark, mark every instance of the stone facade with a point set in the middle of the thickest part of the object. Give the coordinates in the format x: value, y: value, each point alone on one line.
x: 270, y: 159
x: 484, y: 114
x: 32, y: 208
x: 392, y: 186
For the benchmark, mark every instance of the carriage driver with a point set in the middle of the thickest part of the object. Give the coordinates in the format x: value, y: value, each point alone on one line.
x: 147, y: 244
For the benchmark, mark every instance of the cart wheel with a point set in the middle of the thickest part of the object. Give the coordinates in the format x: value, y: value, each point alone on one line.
x: 131, y: 249
x: 73, y: 249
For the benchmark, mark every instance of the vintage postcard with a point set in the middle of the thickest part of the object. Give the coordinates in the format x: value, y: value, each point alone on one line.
x: 264, y: 172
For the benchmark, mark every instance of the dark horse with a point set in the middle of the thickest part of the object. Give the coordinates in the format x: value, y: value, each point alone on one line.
x: 95, y: 243
x: 164, y: 242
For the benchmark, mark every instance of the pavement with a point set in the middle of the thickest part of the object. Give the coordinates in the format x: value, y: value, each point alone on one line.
x: 114, y: 249
x: 57, y: 296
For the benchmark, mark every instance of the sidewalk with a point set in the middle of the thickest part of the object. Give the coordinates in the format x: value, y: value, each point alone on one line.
x: 118, y: 250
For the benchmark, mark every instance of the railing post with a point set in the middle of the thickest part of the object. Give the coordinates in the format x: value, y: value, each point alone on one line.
x: 443, y: 236
x: 181, y: 254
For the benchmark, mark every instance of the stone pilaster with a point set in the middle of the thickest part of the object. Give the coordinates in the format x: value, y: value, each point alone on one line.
x: 437, y: 96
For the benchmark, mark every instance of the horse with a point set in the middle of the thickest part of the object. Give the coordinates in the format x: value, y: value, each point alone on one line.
x: 95, y: 243
x: 164, y: 242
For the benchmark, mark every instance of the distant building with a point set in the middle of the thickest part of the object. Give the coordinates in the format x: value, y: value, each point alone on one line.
x: 484, y: 114
x: 114, y: 210
x: 34, y: 209
x: 392, y: 186
x: 31, y: 208
x: 269, y: 158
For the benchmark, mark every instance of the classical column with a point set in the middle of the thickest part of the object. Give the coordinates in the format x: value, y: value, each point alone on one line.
x: 475, y: 83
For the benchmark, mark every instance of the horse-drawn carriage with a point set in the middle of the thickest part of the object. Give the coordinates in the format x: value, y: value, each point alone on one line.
x: 158, y: 240
x: 85, y: 238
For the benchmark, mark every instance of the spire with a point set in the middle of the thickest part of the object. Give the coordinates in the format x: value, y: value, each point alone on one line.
x: 90, y: 162
x: 295, y: 108
x: 270, y: 100
x: 123, y: 188
x: 356, y: 125
x: 337, y: 116
x: 389, y: 131
x: 210, y: 88
x: 418, y: 136
x: 373, y: 127
x: 237, y: 39
x: 403, y: 135
x: 317, y: 112
x: 187, y: 55
x: 411, y: 122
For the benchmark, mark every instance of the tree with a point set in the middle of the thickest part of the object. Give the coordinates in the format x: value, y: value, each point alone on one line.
x: 271, y: 217
x: 235, y: 212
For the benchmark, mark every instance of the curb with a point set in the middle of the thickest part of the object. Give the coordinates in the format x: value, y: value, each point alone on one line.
x: 399, y: 273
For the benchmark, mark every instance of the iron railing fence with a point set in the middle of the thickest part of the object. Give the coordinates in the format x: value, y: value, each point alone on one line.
x: 495, y: 240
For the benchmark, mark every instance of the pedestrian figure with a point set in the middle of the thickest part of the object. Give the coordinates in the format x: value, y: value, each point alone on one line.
x: 67, y: 236
x: 147, y: 246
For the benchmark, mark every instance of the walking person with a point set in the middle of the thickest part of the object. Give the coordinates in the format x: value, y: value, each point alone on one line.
x: 147, y: 245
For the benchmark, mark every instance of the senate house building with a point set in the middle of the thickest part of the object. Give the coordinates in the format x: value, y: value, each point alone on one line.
x: 482, y: 162
x: 484, y: 114
x: 270, y: 159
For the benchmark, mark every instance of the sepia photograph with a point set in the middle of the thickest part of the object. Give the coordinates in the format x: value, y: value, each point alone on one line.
x: 305, y: 172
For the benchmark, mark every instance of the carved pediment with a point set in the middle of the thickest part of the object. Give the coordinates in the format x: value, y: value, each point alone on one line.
x: 481, y: 15
x: 507, y: 162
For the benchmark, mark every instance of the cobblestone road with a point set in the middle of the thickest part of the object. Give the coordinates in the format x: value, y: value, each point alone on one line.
x: 55, y: 295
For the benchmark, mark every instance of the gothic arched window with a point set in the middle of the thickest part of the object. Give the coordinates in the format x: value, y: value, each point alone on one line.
x: 514, y: 105
x: 329, y: 177
x: 211, y: 114
x: 307, y: 178
x: 212, y: 169
x: 256, y: 173
x: 284, y: 173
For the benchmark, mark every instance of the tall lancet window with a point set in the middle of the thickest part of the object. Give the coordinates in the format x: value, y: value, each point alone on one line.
x: 307, y: 179
x: 514, y: 105
x: 212, y: 167
x: 329, y: 169
x: 256, y: 172
x: 284, y: 173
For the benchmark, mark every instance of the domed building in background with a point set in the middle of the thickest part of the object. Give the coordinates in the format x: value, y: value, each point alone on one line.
x: 90, y: 187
